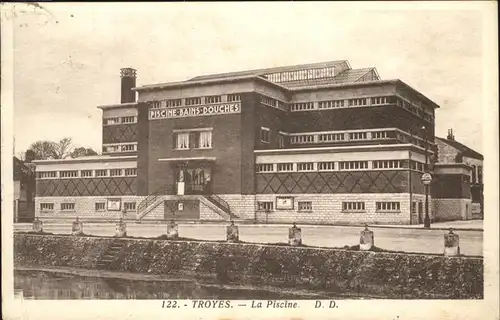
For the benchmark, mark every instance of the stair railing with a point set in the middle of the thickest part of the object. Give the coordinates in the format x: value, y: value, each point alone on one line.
x: 152, y: 198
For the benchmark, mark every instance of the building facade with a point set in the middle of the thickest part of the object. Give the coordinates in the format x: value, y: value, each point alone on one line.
x: 316, y: 143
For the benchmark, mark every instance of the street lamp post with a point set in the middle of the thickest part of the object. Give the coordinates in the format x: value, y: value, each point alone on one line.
x: 426, y: 179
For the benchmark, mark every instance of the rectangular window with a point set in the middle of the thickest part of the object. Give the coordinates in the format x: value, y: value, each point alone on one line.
x: 331, y: 137
x: 233, y: 97
x: 46, y: 206
x: 68, y: 206
x: 129, y: 206
x: 68, y: 174
x: 305, y: 206
x: 100, y: 206
x: 379, y: 100
x: 167, y: 103
x: 330, y: 104
x: 129, y: 147
x: 205, y: 139
x: 265, y: 205
x: 131, y: 172
x: 357, y: 136
x: 265, y: 135
x: 131, y: 119
x: 193, y: 101
x: 326, y: 166
x: 285, y: 167
x: 115, y: 172
x: 305, y: 166
x: 181, y: 140
x: 357, y: 102
x: 86, y: 173
x: 111, y: 149
x: 414, y: 207
x: 268, y: 101
x: 387, y: 164
x: 302, y: 139
x: 353, y: 206
x: 101, y: 173
x: 265, y: 167
x: 353, y: 165
x: 281, y: 141
x: 387, y: 206
x: 47, y: 174
x: 108, y: 121
x: 480, y: 174
x: 380, y: 135
x: 301, y: 106
x: 213, y: 99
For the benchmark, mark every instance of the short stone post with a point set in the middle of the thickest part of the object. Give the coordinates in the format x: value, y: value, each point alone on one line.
x: 77, y: 228
x: 172, y: 230
x: 232, y: 233
x: 451, y: 244
x: 294, y: 235
x: 121, y: 229
x: 124, y: 213
x: 366, y: 240
x: 37, y: 225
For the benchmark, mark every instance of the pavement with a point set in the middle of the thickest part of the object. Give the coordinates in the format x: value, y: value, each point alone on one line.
x: 396, y: 238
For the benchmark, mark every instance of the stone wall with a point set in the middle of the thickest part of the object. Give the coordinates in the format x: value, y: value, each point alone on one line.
x: 341, y: 272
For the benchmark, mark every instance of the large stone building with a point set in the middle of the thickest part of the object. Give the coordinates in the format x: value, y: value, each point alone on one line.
x: 316, y: 143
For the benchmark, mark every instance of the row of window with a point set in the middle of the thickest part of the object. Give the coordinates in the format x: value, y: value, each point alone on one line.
x: 297, y: 75
x: 364, y: 102
x: 128, y: 172
x: 342, y: 165
x: 194, y: 101
x: 334, y: 137
x: 193, y: 140
x: 119, y: 147
x: 70, y: 206
x: 119, y: 120
x: 356, y: 206
x: 268, y: 101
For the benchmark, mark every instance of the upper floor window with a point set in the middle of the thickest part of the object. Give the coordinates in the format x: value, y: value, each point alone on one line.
x: 233, y: 97
x: 353, y: 165
x: 131, y: 171
x: 173, y: 103
x: 213, y: 99
x: 47, y: 174
x: 380, y: 135
x: 193, y: 101
x: 380, y: 100
x: 265, y: 135
x: 357, y: 136
x: 330, y: 137
x: 129, y: 147
x: 115, y: 120
x: 326, y: 166
x: 193, y: 140
x: 285, y: 167
x: 387, y: 164
x: 302, y: 139
x: 357, y: 102
x: 265, y: 167
x: 130, y: 119
x: 281, y: 141
x: 305, y: 166
x: 330, y: 104
x: 115, y: 172
x: 68, y: 174
x: 101, y: 173
x: 480, y: 174
x: 302, y: 106
x: 182, y: 140
x: 86, y: 173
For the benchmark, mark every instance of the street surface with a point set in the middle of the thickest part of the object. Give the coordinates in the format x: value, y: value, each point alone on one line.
x: 389, y: 238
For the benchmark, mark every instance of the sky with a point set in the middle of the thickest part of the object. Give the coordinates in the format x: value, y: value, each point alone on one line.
x: 67, y: 57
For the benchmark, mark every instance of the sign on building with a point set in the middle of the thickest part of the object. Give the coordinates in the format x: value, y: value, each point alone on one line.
x: 196, y: 111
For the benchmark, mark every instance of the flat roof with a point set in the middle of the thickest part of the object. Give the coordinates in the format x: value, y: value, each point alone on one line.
x: 87, y: 159
x: 398, y: 146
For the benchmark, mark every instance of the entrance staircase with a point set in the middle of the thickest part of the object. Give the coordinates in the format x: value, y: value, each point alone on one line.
x: 215, y: 202
x: 110, y: 255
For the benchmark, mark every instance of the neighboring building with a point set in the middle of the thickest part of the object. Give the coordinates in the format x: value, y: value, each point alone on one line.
x: 316, y: 143
x: 458, y: 187
x: 24, y: 191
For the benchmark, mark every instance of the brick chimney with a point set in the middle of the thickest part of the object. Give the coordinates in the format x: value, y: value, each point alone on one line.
x: 128, y: 76
x: 450, y: 135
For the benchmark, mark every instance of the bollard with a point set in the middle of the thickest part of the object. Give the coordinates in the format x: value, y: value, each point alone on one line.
x: 366, y: 241
x: 451, y: 244
x: 232, y: 233
x: 172, y: 230
x: 77, y: 228
x: 294, y: 236
x: 37, y: 225
x: 121, y: 229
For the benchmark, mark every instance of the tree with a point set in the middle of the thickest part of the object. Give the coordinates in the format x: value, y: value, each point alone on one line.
x: 62, y: 149
x: 42, y: 150
x: 82, y: 152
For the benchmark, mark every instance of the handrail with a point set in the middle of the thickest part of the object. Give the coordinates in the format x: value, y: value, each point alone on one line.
x: 150, y: 199
x: 219, y: 202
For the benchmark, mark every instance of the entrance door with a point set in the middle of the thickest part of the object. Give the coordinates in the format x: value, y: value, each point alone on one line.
x: 194, y: 181
x: 420, y: 212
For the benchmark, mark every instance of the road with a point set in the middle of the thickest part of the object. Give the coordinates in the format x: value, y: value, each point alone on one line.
x: 396, y: 239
